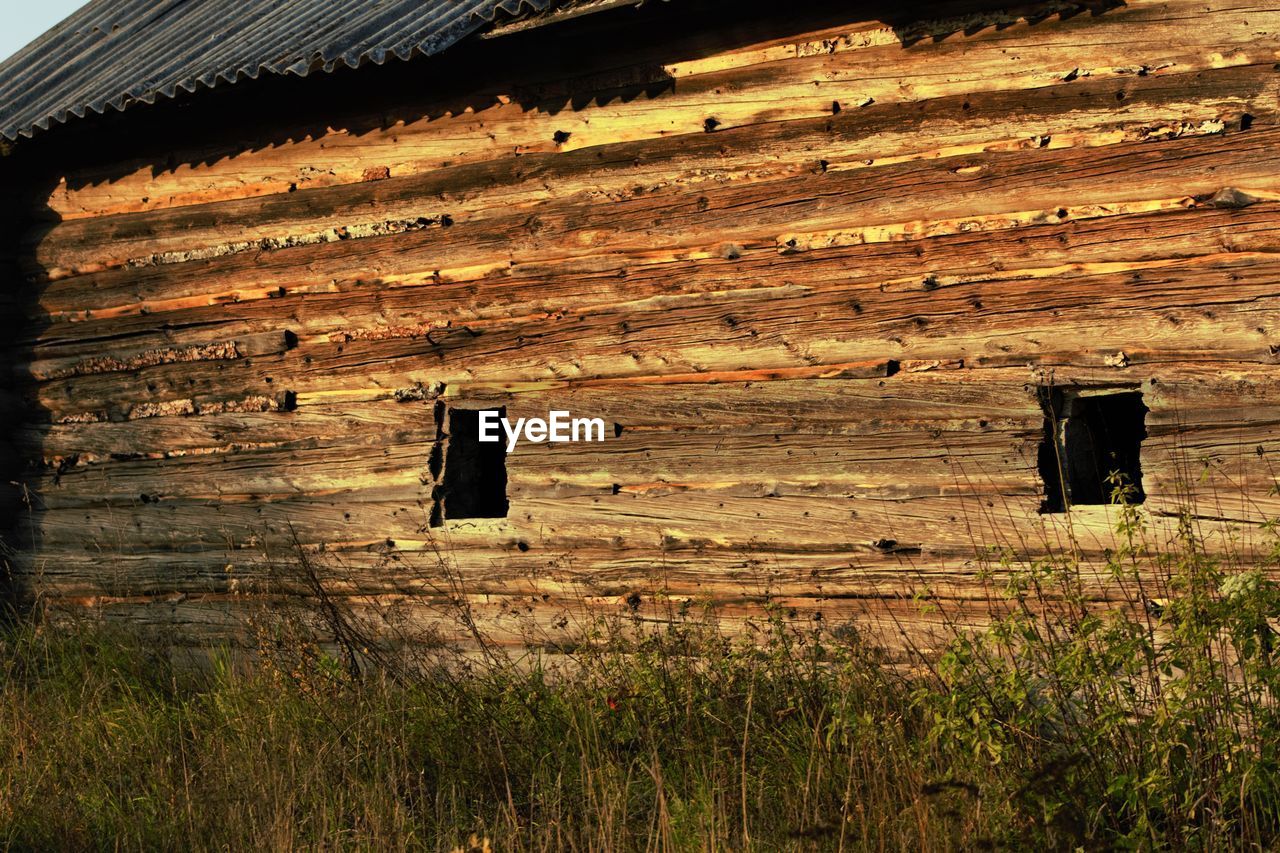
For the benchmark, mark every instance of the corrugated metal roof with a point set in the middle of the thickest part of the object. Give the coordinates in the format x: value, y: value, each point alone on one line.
x: 113, y: 53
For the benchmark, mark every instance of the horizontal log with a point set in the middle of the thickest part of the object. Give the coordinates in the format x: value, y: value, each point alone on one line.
x: 1157, y: 107
x: 976, y: 507
x: 527, y: 627
x: 376, y: 308
x: 1194, y: 414
x: 924, y: 399
x: 840, y: 464
x: 1013, y: 189
x: 1154, y: 34
x: 1220, y: 310
x: 718, y: 577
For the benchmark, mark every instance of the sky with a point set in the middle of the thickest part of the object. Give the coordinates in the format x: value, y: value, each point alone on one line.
x: 22, y: 20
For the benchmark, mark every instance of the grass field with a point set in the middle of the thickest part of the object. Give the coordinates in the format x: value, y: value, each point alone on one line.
x: 1148, y: 724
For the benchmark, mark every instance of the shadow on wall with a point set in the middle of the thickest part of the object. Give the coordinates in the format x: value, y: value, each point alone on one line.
x: 24, y: 422
x: 213, y: 125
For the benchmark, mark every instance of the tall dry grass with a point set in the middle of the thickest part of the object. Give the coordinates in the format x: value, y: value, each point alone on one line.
x: 1148, y: 721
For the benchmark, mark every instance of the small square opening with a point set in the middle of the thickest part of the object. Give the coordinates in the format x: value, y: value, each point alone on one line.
x: 474, y: 484
x: 1091, y: 451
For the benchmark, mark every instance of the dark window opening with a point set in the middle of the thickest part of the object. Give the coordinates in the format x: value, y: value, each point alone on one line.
x: 1091, y: 448
x: 475, y: 472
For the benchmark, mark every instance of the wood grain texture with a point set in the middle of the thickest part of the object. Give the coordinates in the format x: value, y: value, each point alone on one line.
x: 814, y: 275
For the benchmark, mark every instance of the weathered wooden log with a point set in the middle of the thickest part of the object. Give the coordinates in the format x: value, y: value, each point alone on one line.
x: 827, y: 282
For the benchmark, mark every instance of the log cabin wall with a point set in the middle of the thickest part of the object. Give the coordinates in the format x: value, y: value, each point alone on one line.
x: 815, y: 268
